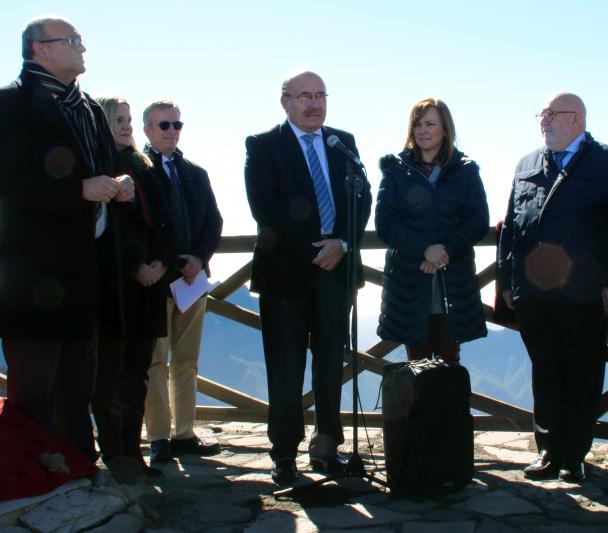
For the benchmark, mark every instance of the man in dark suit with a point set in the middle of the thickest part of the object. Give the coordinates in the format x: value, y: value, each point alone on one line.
x: 297, y: 196
x: 553, y: 261
x: 56, y: 162
x: 197, y: 227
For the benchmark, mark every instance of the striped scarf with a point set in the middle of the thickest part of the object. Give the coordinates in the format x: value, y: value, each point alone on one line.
x: 75, y: 106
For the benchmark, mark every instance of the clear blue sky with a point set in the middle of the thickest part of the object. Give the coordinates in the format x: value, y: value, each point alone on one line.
x: 223, y: 62
x: 493, y: 62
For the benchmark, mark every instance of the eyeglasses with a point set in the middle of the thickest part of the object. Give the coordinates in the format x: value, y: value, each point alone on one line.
x: 549, y: 115
x: 307, y: 97
x: 72, y: 41
x: 165, y: 125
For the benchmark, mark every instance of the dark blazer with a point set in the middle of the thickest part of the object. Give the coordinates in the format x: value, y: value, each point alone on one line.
x: 48, y: 280
x: 563, y: 256
x: 411, y: 214
x: 284, y: 204
x: 204, y: 216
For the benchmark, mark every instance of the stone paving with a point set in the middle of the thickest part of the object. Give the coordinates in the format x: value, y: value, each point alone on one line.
x: 232, y: 492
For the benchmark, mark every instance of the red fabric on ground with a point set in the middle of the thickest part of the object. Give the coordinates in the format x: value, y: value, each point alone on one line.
x: 22, y: 474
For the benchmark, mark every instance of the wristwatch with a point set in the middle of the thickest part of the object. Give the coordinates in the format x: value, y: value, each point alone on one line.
x: 344, y: 245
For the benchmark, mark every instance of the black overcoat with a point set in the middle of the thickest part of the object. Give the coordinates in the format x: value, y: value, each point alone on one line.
x: 203, y: 214
x: 48, y: 262
x: 147, y: 232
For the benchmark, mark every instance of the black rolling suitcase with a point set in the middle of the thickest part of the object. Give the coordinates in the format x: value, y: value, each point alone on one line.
x: 428, y: 427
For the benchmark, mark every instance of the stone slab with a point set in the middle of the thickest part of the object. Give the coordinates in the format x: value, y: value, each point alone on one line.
x: 569, y: 528
x: 511, y: 456
x: 123, y: 523
x: 492, y: 526
x: 72, y: 511
x: 448, y: 514
x: 498, y: 503
x: 503, y: 438
x: 462, y: 526
x: 411, y: 506
x: 281, y: 522
x: 248, y: 442
x: 353, y: 515
x: 8, y: 506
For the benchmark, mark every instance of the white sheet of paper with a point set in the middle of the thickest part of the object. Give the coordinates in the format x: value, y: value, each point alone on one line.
x: 185, y: 295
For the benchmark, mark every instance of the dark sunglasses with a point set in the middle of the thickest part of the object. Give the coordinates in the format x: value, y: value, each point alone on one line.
x: 165, y: 125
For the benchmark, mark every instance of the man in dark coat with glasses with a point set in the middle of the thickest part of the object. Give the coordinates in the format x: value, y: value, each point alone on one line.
x: 553, y: 260
x: 58, y: 194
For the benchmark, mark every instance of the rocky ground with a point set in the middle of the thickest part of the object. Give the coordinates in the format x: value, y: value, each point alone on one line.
x: 232, y: 492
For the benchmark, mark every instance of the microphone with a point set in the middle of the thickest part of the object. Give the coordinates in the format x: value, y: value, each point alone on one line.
x: 333, y: 141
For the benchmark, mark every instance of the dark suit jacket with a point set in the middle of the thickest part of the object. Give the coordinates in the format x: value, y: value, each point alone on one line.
x: 284, y: 204
x: 204, y: 216
x: 48, y: 267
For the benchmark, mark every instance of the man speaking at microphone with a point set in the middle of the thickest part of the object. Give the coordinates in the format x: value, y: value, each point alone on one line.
x: 295, y: 187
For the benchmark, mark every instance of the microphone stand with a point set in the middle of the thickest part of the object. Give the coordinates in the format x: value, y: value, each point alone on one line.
x: 354, y: 184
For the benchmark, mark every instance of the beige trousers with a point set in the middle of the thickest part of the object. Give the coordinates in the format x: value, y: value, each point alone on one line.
x: 178, y: 399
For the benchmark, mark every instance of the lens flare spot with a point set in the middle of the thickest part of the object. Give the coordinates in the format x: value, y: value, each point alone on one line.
x: 300, y: 208
x: 548, y: 266
x: 59, y: 162
x: 48, y: 293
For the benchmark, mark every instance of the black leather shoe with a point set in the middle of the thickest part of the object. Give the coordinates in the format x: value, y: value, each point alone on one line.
x: 284, y: 471
x: 572, y: 471
x: 193, y: 446
x: 159, y: 451
x: 544, y: 467
x: 335, y: 464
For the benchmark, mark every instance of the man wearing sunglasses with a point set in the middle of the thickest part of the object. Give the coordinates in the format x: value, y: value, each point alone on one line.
x: 553, y: 261
x: 57, y: 215
x: 197, y: 230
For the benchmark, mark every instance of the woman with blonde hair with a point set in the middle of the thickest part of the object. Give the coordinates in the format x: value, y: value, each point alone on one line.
x: 124, y: 356
x: 431, y: 210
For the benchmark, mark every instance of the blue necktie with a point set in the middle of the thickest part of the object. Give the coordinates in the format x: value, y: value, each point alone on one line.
x: 327, y: 216
x: 173, y: 177
x: 559, y: 157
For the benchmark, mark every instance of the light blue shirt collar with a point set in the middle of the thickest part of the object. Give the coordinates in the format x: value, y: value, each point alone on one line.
x: 572, y: 148
x: 300, y: 132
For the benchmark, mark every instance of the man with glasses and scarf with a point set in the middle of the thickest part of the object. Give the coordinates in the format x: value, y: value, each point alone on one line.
x: 197, y: 229
x: 57, y: 211
x: 553, y: 260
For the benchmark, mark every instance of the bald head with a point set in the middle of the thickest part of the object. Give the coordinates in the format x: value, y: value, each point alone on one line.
x: 564, y: 118
x: 304, y: 99
x: 295, y: 76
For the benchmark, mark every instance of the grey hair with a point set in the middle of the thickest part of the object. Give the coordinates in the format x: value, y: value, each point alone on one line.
x: 34, y: 32
x: 160, y: 104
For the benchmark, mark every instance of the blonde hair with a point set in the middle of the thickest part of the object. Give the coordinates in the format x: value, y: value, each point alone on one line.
x: 110, y: 104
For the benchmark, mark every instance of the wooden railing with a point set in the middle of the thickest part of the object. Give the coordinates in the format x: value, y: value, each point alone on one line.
x: 499, y: 416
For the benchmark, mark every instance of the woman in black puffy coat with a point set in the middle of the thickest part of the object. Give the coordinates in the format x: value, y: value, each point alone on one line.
x: 431, y: 210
